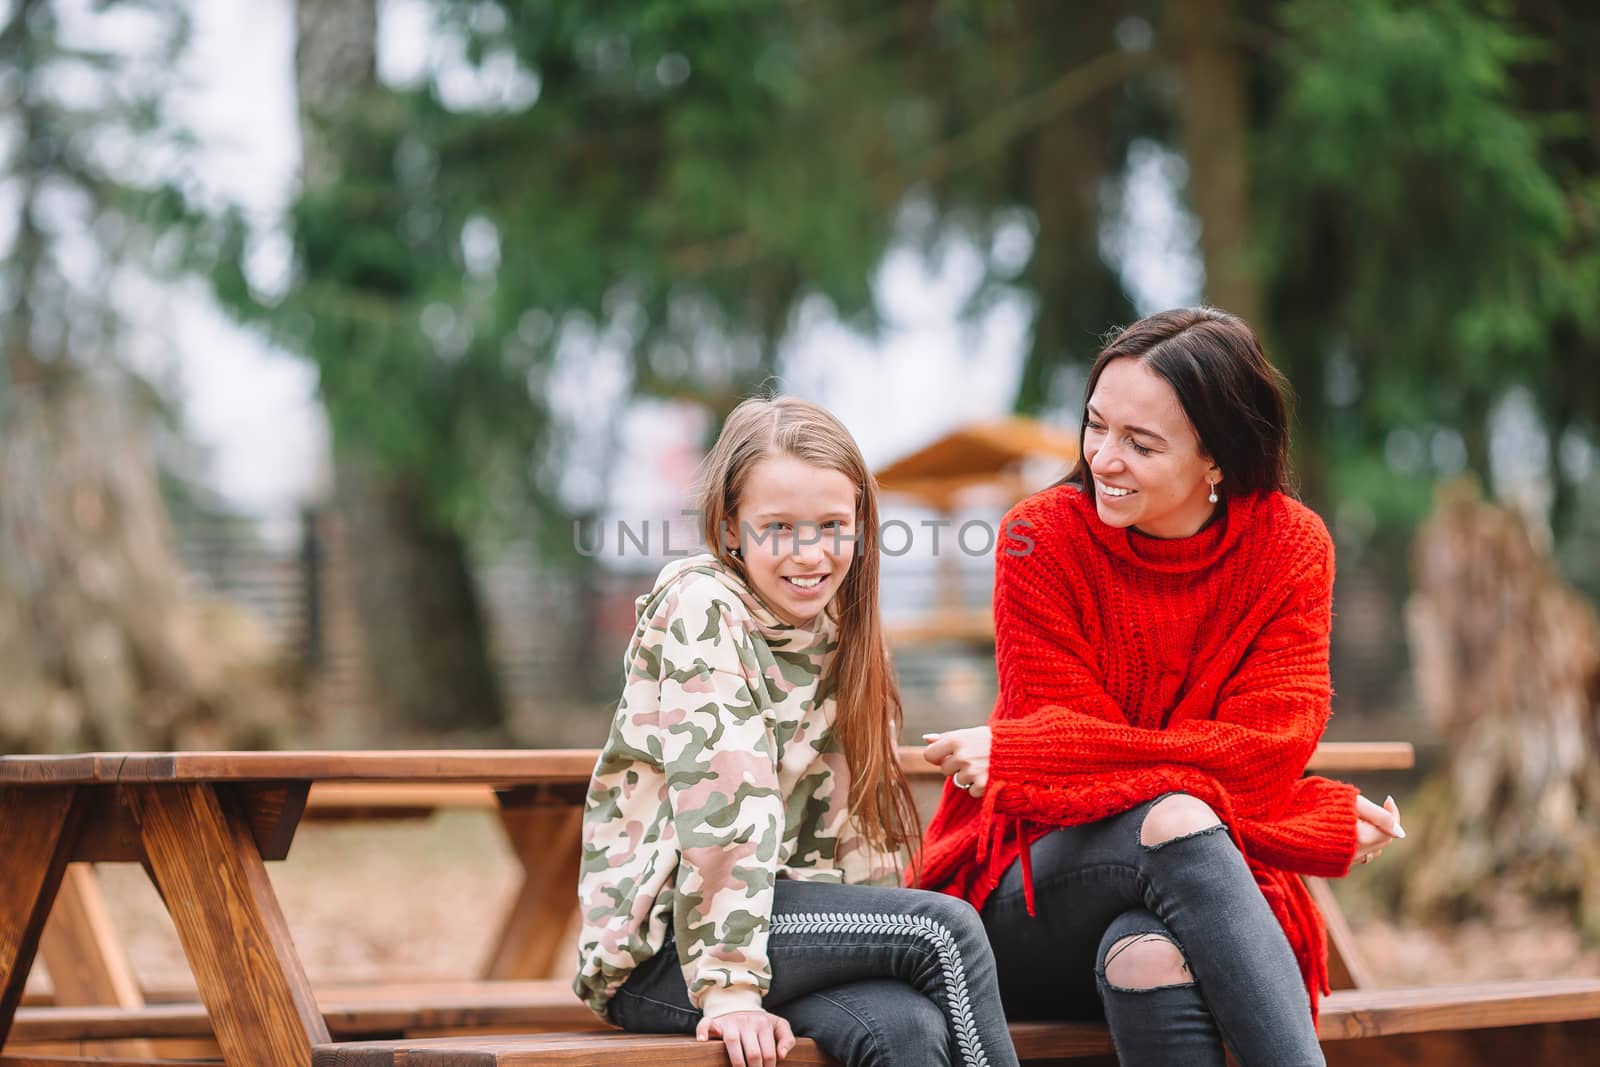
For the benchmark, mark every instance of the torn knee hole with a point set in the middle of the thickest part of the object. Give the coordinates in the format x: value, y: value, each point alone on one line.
x: 1176, y: 817
x: 1146, y: 961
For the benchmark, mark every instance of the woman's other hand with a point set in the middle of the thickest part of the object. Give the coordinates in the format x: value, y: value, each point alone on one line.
x: 753, y: 1038
x: 1375, y: 828
x: 962, y: 755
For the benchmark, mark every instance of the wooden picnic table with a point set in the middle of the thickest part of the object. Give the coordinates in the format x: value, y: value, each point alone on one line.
x: 204, y: 824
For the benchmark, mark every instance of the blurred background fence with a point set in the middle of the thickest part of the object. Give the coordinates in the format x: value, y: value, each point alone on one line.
x: 557, y: 634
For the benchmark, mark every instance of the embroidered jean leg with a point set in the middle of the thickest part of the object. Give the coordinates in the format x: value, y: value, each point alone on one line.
x: 827, y: 935
x: 879, y: 1022
x: 1153, y: 1007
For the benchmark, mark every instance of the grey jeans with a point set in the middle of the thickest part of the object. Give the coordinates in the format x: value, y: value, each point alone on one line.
x: 877, y: 977
x: 1098, y: 883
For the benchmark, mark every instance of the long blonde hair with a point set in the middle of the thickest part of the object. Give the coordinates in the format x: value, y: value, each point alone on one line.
x: 863, y: 681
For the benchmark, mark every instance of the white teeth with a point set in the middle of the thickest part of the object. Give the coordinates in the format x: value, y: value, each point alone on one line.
x: 1111, y: 490
x: 807, y: 583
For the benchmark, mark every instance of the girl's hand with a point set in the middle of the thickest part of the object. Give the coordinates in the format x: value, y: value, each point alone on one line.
x: 962, y: 755
x: 753, y: 1038
x: 1375, y: 828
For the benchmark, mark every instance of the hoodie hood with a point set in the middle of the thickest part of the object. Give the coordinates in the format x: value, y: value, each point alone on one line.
x: 822, y: 628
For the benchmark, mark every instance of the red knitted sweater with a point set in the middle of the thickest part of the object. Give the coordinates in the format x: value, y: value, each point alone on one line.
x: 1130, y: 667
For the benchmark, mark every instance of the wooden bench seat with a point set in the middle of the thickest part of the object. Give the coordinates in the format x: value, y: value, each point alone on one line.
x: 390, y: 1010
x: 1550, y: 1021
x: 52, y: 1060
x: 1365, y: 1018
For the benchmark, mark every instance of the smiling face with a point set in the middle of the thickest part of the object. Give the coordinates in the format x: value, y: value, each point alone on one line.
x: 796, y: 524
x: 1149, y: 470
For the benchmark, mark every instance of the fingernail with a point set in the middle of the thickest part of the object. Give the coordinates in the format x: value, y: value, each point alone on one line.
x: 1388, y: 803
x: 930, y: 737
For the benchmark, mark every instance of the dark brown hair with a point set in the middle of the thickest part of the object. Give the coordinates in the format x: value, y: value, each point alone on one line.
x: 1237, y: 401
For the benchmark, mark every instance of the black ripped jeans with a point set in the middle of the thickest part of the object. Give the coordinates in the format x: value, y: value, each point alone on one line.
x: 1097, y: 884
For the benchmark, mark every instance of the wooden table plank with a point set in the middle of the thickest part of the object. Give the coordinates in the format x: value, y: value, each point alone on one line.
x: 79, y: 769
x: 33, y: 1059
x: 1363, y: 756
x: 489, y: 766
x: 493, y: 766
x: 367, y: 800
x: 214, y: 882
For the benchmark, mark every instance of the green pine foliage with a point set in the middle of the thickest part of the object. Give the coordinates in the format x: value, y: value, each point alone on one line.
x: 91, y: 165
x: 674, y: 175
x: 1413, y: 222
x: 670, y: 175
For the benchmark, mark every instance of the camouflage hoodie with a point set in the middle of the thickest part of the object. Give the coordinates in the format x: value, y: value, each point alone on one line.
x: 721, y: 774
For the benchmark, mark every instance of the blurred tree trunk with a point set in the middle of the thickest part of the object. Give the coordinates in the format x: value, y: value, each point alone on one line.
x: 1566, y: 83
x: 1216, y: 120
x: 1507, y: 662
x: 1062, y: 168
x: 101, y: 643
x: 101, y: 646
x: 422, y: 627
x: 1216, y: 143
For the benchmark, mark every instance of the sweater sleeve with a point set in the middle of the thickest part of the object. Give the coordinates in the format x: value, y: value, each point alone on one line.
x: 719, y: 756
x: 1056, y: 723
x: 1315, y: 835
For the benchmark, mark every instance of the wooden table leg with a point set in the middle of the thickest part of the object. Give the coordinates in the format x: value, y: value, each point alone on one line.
x: 548, y: 842
x: 38, y: 827
x: 1347, y: 967
x: 205, y: 862
x: 84, y: 954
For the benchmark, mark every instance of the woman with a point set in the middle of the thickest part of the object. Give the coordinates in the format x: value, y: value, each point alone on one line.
x: 1133, y: 819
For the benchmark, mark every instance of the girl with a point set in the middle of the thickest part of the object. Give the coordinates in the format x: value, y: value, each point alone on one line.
x: 1134, y: 817
x: 748, y: 811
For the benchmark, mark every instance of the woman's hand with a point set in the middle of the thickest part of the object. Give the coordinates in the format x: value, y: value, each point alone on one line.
x: 1375, y: 828
x: 753, y: 1038
x: 962, y: 755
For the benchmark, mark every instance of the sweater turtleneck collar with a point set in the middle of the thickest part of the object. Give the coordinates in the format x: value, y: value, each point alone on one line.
x: 1176, y: 555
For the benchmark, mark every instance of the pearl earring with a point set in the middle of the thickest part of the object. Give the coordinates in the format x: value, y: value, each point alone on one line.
x: 1213, y: 497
